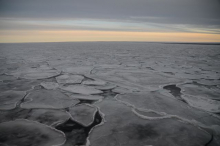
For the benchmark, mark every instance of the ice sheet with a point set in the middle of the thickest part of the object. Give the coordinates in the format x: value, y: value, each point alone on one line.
x: 29, y: 133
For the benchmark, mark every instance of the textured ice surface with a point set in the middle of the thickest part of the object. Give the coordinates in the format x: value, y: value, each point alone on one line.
x: 47, y: 99
x: 83, y: 114
x: 203, y: 103
x: 118, y: 79
x: 45, y: 116
x: 94, y: 82
x: 124, y: 128
x: 107, y: 86
x: 7, y: 77
x: 29, y: 133
x: 35, y: 73
x: 209, y: 82
x: 18, y: 85
x: 206, y: 91
x: 9, y: 99
x: 65, y: 79
x: 78, y: 70
x: 49, y: 85
x: 138, y: 80
x: 81, y: 89
x: 48, y: 116
x: 164, y: 104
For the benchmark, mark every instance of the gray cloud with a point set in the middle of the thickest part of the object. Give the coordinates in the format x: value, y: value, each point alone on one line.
x: 204, y: 13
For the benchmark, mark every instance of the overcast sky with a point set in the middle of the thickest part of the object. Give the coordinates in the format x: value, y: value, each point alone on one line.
x: 188, y: 16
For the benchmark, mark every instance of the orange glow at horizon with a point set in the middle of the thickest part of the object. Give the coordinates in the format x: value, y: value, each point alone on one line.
x: 19, y: 36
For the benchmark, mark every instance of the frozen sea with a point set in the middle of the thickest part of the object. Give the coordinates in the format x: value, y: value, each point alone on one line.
x: 109, y: 94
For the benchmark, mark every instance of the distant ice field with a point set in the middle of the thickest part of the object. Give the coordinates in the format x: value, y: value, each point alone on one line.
x: 110, y: 93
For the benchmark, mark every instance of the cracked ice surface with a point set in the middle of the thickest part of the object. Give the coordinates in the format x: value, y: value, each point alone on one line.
x: 203, y: 103
x: 166, y: 105
x: 36, y: 73
x: 47, y: 99
x: 9, y: 99
x: 112, y: 93
x: 123, y: 128
x: 49, y: 85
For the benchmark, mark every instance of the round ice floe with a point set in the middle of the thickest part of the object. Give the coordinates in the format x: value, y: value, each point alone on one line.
x: 84, y: 114
x: 74, y: 79
x: 29, y: 133
x: 49, y: 85
x: 48, y: 99
x: 9, y: 99
x: 81, y: 89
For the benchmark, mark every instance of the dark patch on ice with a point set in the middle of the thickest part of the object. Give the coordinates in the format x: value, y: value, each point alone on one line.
x: 209, y: 140
x: 150, y: 68
x: 18, y: 85
x: 19, y: 113
x: 82, y: 101
x: 175, y: 91
x: 76, y: 134
x: 49, y: 79
x: 203, y: 85
x: 170, y: 73
x: 6, y: 78
x: 17, y: 134
x: 141, y: 132
x: 16, y: 113
x: 68, y: 84
x: 38, y: 87
x: 21, y: 101
x: 108, y: 93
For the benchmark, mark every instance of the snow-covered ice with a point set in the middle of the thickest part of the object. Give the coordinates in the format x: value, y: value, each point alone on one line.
x: 109, y: 93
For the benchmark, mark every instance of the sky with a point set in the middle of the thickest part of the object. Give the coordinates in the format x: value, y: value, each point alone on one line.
x: 109, y: 20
